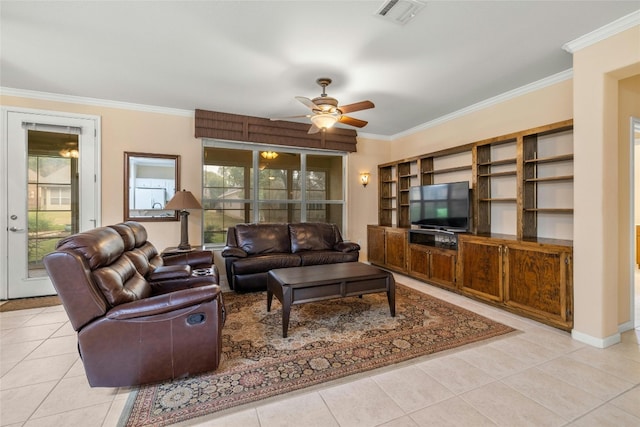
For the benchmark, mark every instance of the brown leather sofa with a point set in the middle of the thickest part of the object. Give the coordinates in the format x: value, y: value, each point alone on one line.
x: 139, y: 318
x: 254, y: 249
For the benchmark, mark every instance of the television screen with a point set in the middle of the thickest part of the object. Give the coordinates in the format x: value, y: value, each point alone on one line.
x: 444, y: 206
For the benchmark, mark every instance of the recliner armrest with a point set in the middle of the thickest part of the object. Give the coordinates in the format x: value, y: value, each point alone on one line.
x: 201, y: 259
x: 169, y: 272
x: 164, y: 303
x: 347, y: 247
x: 230, y: 251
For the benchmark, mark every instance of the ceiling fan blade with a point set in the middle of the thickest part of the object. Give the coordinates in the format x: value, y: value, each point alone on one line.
x: 306, y: 101
x: 352, y: 122
x: 314, y: 129
x: 357, y: 106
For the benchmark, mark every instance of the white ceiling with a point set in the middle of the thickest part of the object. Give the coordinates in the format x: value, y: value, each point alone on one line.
x: 253, y: 57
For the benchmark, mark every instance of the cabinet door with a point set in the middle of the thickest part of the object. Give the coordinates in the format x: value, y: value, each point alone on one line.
x: 481, y: 265
x: 538, y: 281
x: 396, y: 249
x: 419, y: 261
x: 442, y: 267
x: 375, y: 245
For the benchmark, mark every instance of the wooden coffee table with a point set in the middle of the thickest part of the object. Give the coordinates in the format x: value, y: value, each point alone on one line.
x: 299, y: 285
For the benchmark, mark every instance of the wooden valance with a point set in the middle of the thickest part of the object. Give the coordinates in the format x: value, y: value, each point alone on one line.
x: 233, y: 127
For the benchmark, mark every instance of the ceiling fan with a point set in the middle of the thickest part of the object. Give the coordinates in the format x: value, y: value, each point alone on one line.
x: 325, y: 111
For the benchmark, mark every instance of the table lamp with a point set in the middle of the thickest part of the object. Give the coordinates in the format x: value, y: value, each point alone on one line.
x: 182, y: 201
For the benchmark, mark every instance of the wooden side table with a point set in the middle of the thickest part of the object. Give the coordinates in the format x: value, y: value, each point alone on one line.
x: 173, y: 250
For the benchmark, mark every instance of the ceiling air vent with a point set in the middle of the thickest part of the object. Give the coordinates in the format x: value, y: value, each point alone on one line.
x: 399, y: 11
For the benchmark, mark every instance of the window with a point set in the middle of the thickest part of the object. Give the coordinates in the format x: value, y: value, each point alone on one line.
x: 282, y: 195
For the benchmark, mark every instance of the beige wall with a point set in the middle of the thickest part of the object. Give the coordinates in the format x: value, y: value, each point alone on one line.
x: 601, y: 192
x: 362, y: 202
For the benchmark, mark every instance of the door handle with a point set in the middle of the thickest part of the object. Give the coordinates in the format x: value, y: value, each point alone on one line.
x: 14, y: 229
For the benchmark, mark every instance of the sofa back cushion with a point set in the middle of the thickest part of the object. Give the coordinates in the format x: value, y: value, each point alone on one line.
x: 263, y: 238
x: 120, y: 282
x: 312, y: 236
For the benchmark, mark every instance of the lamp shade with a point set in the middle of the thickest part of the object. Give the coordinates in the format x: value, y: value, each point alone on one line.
x: 183, y: 200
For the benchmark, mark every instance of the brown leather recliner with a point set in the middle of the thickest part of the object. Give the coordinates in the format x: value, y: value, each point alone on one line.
x: 133, y: 331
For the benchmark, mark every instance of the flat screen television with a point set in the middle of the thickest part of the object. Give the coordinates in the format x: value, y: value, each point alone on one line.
x: 440, y: 206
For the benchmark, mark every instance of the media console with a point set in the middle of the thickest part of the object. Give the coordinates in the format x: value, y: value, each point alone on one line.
x: 434, y: 237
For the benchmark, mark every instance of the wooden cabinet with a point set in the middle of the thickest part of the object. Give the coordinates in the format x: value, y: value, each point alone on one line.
x: 531, y: 278
x: 481, y: 268
x: 433, y: 265
x: 387, y: 247
x: 375, y: 245
x: 538, y: 280
x: 522, y: 193
x: 396, y: 249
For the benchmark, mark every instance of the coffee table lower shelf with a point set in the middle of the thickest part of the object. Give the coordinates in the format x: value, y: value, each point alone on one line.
x: 299, y: 285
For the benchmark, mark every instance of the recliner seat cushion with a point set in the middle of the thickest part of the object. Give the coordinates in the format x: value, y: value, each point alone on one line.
x: 262, y: 263
x: 326, y: 257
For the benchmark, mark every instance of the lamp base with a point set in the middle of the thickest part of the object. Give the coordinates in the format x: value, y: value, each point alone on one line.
x: 184, y: 231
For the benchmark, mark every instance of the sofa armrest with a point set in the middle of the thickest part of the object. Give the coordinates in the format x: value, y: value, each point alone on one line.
x: 347, y: 247
x: 201, y: 259
x: 169, y: 272
x: 230, y: 251
x: 164, y: 303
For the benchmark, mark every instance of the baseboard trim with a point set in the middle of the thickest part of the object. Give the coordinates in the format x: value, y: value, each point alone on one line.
x: 626, y: 326
x: 594, y: 341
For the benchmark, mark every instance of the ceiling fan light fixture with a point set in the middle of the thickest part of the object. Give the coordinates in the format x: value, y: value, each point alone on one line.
x: 324, y: 121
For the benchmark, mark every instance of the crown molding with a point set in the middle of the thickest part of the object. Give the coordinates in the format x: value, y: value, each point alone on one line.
x: 602, y: 33
x: 531, y: 87
x: 48, y: 96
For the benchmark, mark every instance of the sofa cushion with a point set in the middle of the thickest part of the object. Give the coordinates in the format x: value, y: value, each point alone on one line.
x: 327, y: 257
x: 257, y: 239
x: 312, y: 237
x: 262, y: 263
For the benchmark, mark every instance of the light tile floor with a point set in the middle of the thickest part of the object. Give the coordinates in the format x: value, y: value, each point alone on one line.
x: 539, y: 377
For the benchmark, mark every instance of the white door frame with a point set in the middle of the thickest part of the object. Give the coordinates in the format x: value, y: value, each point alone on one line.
x: 91, y: 157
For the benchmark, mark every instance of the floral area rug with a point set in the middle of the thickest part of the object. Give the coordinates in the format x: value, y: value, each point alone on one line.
x: 327, y: 340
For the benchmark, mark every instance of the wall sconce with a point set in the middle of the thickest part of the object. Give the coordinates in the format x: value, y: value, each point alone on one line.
x: 269, y: 155
x: 364, y: 178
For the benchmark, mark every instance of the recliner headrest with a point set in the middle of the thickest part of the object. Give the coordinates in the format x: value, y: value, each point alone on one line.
x: 127, y: 235
x: 100, y: 246
x: 139, y: 232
